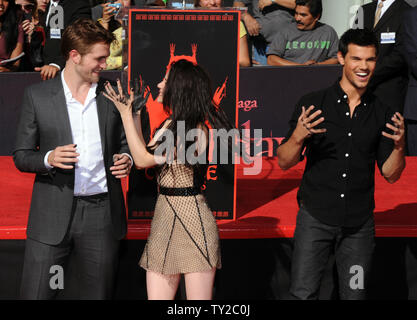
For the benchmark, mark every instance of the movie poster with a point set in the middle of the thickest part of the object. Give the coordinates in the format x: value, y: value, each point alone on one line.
x: 158, y: 37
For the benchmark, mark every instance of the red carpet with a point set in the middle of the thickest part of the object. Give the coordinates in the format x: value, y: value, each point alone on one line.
x: 266, y: 204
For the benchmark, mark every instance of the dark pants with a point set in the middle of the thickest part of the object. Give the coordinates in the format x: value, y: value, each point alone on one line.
x: 313, y: 242
x: 89, y: 241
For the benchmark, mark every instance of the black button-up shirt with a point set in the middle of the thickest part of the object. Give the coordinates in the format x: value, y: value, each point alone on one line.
x: 337, y: 187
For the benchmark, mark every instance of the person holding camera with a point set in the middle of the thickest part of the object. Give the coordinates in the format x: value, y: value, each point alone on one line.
x: 109, y: 22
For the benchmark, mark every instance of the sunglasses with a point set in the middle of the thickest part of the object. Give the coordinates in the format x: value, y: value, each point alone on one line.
x: 26, y: 7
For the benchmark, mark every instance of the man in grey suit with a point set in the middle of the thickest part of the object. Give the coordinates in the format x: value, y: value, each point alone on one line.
x: 72, y: 137
x: 410, y: 55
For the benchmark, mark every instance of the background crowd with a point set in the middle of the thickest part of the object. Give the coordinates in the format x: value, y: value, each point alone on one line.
x: 273, y: 32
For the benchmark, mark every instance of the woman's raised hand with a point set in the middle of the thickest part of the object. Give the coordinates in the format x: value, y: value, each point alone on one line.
x: 122, y: 103
x: 138, y: 97
x: 140, y: 94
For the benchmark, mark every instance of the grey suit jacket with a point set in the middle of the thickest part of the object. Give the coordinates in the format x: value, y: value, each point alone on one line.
x: 410, y: 55
x: 44, y: 125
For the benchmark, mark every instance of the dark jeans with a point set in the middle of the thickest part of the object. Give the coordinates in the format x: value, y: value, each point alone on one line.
x: 313, y: 242
x: 89, y: 241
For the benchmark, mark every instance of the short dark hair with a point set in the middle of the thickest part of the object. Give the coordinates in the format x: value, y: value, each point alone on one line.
x: 82, y: 34
x: 360, y: 37
x: 315, y: 6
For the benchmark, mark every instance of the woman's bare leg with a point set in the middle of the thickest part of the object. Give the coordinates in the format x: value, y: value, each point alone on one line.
x: 161, y: 286
x: 199, y: 285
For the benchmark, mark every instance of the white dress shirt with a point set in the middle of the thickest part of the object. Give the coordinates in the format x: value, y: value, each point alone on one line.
x: 90, y: 174
x: 387, y: 4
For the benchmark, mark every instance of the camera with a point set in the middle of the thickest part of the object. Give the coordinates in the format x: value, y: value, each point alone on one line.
x: 114, y: 5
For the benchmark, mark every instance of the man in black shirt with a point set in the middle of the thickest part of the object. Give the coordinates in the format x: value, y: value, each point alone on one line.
x: 345, y: 130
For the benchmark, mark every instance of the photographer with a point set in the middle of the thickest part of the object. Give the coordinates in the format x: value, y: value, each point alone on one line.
x: 34, y: 35
x: 109, y: 22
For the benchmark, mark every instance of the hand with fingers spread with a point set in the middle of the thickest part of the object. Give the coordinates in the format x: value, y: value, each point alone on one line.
x: 289, y: 152
x: 307, y: 123
x: 398, y: 129
x: 122, y: 103
x: 140, y: 94
x: 63, y: 156
x: 121, y: 166
x: 395, y: 164
x: 134, y: 103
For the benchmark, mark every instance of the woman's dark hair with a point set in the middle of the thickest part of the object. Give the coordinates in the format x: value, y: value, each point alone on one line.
x: 315, y: 6
x: 360, y: 37
x: 188, y: 97
x: 9, y: 22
